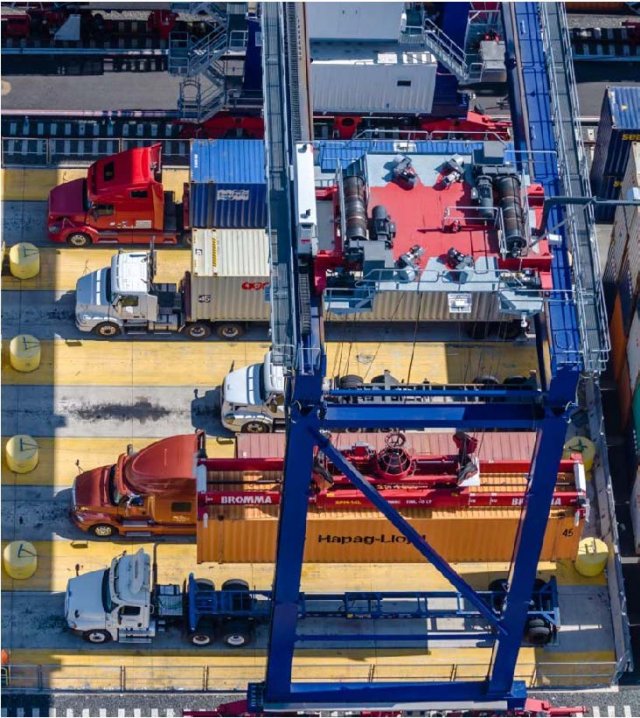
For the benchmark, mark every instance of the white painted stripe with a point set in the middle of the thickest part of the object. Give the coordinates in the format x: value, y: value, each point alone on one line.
x: 69, y: 713
x: 86, y: 713
x: 35, y: 713
x: 596, y: 712
x: 3, y: 712
x: 53, y: 712
x: 121, y: 712
x: 170, y: 713
x: 137, y: 713
x: 611, y: 711
x: 103, y: 713
x: 627, y: 712
x: 154, y: 713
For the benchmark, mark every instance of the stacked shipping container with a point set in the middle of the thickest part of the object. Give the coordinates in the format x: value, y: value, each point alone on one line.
x: 619, y: 128
x: 622, y: 288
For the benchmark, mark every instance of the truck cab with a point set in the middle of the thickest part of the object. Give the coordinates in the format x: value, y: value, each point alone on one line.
x: 124, y: 297
x: 253, y: 398
x: 113, y: 605
x: 152, y: 491
x: 122, y: 201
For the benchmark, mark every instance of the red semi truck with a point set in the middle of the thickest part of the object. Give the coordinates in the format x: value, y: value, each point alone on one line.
x: 122, y: 200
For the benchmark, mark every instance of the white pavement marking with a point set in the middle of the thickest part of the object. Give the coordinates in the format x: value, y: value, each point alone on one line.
x: 3, y: 712
x: 53, y: 712
x: 103, y: 713
x: 137, y: 713
x: 611, y: 711
x: 20, y: 712
x: 154, y: 713
x: 170, y: 713
x: 121, y: 712
x: 627, y: 712
x: 86, y: 713
x: 596, y: 712
x: 35, y: 713
x: 69, y: 713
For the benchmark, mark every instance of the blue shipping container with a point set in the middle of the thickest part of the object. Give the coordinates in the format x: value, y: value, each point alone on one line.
x: 228, y: 184
x: 619, y: 127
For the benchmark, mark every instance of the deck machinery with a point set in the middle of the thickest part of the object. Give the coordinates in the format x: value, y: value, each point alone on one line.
x: 571, y: 325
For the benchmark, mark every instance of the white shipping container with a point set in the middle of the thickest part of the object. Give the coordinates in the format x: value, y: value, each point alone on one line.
x: 635, y: 512
x: 360, y: 78
x: 626, y: 228
x: 354, y: 20
x: 633, y: 349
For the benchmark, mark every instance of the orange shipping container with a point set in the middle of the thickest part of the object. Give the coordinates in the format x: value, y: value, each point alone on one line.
x: 248, y: 535
x: 625, y: 393
x: 618, y: 339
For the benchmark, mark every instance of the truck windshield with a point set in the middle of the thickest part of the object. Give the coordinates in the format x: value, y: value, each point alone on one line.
x: 114, y: 495
x: 107, y: 288
x: 107, y: 603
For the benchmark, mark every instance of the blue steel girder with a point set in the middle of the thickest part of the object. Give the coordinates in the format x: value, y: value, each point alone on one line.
x: 530, y: 95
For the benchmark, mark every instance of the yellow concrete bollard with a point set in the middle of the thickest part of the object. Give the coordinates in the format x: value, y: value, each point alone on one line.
x: 592, y: 557
x: 24, y: 353
x: 24, y: 260
x: 21, y: 453
x: 581, y: 445
x: 20, y: 559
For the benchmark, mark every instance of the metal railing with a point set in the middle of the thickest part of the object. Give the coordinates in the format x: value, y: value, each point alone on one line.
x: 451, y: 55
x: 59, y: 152
x: 169, y: 676
x: 574, y: 176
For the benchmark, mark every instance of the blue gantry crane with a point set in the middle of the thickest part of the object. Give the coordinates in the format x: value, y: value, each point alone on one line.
x: 573, y: 326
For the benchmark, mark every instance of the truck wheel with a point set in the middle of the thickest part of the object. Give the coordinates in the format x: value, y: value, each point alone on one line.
x: 237, y: 634
x: 486, y: 380
x: 103, y: 530
x: 199, y: 330
x: 229, y: 331
x: 107, y: 329
x: 200, y: 639
x: 78, y: 239
x: 187, y: 239
x: 380, y: 380
x: 351, y: 381
x: 538, y: 632
x: 255, y: 427
x: 96, y: 636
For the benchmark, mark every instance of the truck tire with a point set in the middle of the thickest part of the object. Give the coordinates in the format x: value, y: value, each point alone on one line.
x: 486, y: 380
x: 78, y: 239
x: 107, y: 329
x: 255, y: 427
x: 380, y: 380
x: 199, y: 330
x: 237, y: 634
x: 103, y: 531
x: 230, y: 331
x: 538, y: 632
x: 350, y: 381
x: 186, y: 240
x: 96, y: 636
x: 201, y: 639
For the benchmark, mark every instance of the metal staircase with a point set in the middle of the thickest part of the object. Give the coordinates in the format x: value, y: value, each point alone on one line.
x: 446, y: 51
x: 196, y: 60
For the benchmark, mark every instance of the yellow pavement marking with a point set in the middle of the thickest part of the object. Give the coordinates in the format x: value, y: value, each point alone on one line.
x: 60, y: 268
x: 119, y: 363
x: 34, y: 184
x: 60, y: 460
x: 59, y: 560
x: 198, y: 669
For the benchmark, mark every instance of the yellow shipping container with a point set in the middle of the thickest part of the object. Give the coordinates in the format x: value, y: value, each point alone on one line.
x: 248, y: 535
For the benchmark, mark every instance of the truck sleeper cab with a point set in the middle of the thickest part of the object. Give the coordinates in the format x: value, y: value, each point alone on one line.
x: 152, y: 491
x: 121, y: 201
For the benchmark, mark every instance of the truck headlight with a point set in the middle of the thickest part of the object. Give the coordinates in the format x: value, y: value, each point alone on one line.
x: 54, y: 228
x: 83, y: 318
x: 72, y: 624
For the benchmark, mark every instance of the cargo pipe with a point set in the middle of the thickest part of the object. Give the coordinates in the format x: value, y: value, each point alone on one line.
x: 355, y: 207
x: 510, y: 202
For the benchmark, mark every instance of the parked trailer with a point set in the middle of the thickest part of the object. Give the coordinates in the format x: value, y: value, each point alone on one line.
x: 224, y: 290
x: 122, y: 604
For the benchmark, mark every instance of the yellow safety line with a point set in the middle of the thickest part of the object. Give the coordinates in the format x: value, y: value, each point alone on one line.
x: 60, y: 560
x: 60, y: 268
x: 89, y: 362
x: 61, y: 459
x: 22, y: 184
